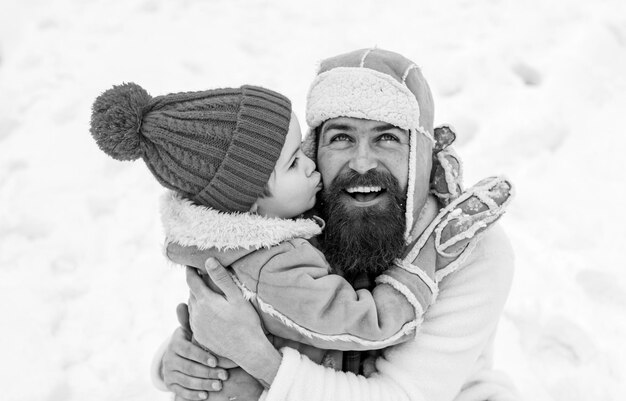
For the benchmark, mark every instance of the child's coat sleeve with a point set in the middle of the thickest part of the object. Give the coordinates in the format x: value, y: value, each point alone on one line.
x: 298, y: 299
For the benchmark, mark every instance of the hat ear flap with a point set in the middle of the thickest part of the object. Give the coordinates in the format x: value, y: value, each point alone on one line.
x: 418, y: 85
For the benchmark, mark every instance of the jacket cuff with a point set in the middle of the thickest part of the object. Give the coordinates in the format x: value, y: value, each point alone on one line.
x: 286, y: 375
x: 155, y: 366
x: 414, y: 283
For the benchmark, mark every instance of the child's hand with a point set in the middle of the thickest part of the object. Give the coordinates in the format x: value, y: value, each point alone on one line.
x: 473, y: 212
x: 464, y: 218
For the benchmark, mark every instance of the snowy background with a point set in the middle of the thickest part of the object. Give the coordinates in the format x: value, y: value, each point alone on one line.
x: 534, y: 89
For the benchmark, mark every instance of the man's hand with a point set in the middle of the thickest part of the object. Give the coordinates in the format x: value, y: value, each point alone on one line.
x: 240, y: 386
x: 235, y: 330
x: 189, y: 371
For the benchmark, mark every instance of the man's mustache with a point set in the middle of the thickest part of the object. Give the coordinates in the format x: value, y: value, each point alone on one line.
x: 372, y: 178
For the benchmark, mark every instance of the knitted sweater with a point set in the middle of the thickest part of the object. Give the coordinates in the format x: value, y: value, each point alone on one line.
x: 449, y: 360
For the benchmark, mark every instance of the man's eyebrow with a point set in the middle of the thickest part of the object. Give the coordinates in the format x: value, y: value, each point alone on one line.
x: 337, y: 126
x: 385, y: 127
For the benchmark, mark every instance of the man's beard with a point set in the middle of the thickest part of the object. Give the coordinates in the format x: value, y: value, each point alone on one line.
x: 363, y: 239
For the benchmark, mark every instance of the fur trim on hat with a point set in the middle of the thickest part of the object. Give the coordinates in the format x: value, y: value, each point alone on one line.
x: 188, y: 224
x: 361, y: 93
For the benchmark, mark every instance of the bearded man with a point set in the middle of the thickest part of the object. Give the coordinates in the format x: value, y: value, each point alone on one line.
x: 371, y: 117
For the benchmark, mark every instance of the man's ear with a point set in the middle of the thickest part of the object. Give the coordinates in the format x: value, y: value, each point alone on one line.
x: 255, y: 207
x: 311, y: 142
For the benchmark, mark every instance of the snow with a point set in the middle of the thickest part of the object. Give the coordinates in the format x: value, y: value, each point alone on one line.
x: 533, y: 88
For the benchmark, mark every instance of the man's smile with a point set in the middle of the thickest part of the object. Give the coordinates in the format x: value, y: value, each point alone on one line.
x: 363, y: 189
x: 365, y: 196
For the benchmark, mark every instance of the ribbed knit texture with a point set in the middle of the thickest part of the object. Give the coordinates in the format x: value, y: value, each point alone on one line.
x: 216, y: 147
x: 256, y: 143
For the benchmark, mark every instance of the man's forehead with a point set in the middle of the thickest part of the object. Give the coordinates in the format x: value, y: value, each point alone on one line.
x: 354, y: 124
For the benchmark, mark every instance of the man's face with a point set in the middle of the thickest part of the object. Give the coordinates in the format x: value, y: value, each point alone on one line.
x: 364, y: 167
x: 355, y: 145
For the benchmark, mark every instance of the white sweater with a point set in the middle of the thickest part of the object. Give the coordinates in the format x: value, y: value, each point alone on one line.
x: 450, y: 358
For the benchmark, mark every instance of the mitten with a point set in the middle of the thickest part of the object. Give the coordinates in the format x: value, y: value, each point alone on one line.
x: 470, y: 214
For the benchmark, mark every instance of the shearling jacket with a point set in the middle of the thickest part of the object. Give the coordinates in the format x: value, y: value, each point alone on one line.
x: 290, y: 284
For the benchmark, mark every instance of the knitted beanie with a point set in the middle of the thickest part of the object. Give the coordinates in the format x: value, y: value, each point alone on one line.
x: 216, y: 147
x: 373, y: 84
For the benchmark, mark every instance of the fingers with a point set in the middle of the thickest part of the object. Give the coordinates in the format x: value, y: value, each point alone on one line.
x: 187, y: 350
x: 222, y: 279
x: 369, y: 366
x: 184, y: 394
x: 197, y: 286
x: 182, y: 313
x: 193, y: 370
x: 189, y: 371
x: 186, y: 255
x: 226, y: 363
x: 193, y: 383
x: 177, y: 398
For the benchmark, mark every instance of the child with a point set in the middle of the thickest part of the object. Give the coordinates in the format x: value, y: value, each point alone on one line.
x: 239, y: 180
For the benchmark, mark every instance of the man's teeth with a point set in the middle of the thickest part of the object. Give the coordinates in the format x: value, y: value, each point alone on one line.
x: 363, y: 189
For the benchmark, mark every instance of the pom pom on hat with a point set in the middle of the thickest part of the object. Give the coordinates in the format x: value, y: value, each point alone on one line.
x: 116, y: 120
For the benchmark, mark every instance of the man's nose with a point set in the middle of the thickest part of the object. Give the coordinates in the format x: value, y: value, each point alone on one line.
x: 363, y: 160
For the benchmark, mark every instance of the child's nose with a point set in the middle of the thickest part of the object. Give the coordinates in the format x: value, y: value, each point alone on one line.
x: 309, y: 166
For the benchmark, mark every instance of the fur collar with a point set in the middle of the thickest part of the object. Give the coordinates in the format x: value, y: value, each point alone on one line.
x: 192, y: 225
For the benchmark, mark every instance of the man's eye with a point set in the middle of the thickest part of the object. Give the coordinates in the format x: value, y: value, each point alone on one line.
x: 294, y: 163
x: 388, y: 137
x: 339, y: 138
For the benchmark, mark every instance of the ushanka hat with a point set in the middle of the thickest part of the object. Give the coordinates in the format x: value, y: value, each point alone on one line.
x: 373, y: 84
x: 217, y: 147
